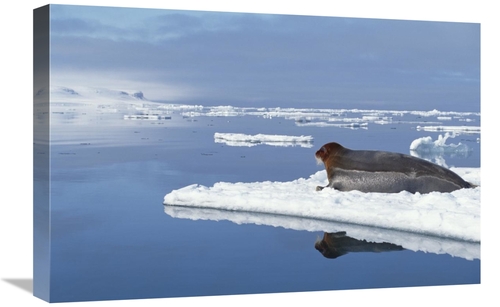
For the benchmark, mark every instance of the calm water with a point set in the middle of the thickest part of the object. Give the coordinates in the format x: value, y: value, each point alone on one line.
x: 111, y: 238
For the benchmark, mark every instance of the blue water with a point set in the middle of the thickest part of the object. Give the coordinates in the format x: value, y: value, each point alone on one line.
x: 111, y: 238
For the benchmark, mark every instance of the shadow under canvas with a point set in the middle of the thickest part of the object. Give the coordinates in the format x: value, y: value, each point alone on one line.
x: 25, y: 284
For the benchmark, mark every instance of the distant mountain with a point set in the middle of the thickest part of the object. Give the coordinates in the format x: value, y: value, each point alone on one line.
x: 88, y: 94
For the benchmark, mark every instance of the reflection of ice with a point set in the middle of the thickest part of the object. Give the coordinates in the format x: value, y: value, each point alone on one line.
x: 428, y: 149
x: 451, y: 215
x: 411, y: 241
x: 238, y: 139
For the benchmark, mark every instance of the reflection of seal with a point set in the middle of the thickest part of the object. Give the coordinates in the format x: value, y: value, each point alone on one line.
x: 385, y: 172
x: 336, y: 244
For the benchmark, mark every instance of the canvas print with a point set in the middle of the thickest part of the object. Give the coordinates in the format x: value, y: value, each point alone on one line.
x: 191, y: 153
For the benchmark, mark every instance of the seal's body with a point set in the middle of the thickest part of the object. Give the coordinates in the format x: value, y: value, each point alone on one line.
x: 384, y: 172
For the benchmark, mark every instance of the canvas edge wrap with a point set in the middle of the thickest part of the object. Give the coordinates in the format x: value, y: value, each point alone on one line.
x: 41, y: 153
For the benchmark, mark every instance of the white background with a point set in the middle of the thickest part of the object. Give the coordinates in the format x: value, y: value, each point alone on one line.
x: 16, y: 153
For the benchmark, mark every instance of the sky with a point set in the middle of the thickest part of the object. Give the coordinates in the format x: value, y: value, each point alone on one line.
x: 250, y: 59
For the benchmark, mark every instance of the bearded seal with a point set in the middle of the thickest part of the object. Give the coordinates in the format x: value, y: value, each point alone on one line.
x: 384, y: 172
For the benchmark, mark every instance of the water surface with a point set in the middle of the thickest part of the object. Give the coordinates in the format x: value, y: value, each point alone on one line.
x: 111, y: 237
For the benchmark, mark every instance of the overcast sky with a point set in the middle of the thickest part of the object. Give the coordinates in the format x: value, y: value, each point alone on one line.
x: 268, y: 60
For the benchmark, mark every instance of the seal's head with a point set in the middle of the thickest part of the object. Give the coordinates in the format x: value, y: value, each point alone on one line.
x: 326, y: 151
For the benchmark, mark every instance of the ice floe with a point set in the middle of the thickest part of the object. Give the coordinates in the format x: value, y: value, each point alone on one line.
x: 436, y: 150
x: 453, y: 215
x: 240, y: 139
x: 464, y: 129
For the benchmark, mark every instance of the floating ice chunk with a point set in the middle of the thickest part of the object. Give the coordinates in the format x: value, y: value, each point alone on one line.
x: 146, y: 117
x: 465, y: 129
x: 453, y: 215
x: 238, y: 139
x: 435, y: 151
x: 329, y: 124
x: 427, y: 145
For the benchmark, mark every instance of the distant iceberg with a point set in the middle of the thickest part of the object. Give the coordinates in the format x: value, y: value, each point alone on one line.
x: 437, y: 150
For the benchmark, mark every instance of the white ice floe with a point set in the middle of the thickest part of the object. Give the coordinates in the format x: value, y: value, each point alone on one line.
x: 329, y: 124
x: 239, y: 139
x: 146, y: 117
x: 453, y: 216
x: 436, y: 151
